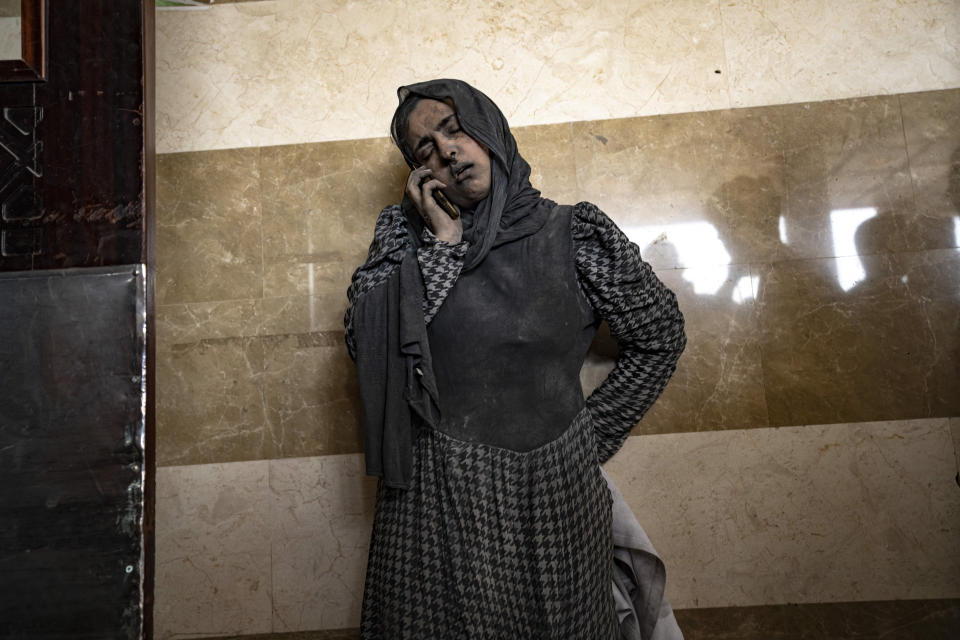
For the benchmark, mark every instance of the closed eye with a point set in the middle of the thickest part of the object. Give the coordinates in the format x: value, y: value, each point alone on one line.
x: 423, y: 152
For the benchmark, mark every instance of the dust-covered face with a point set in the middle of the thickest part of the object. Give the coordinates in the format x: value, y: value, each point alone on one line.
x: 437, y: 142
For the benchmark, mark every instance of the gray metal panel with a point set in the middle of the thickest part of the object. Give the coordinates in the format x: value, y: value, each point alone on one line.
x: 72, y: 407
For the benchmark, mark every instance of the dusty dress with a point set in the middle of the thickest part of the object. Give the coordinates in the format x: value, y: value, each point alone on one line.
x: 503, y: 529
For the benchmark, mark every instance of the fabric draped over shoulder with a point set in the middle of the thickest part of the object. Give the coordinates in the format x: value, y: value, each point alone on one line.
x: 395, y: 372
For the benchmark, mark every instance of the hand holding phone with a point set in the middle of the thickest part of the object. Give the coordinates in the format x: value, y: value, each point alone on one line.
x: 438, y: 212
x: 444, y: 203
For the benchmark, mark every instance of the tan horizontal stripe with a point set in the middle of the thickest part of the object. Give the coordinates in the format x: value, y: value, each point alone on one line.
x: 262, y: 73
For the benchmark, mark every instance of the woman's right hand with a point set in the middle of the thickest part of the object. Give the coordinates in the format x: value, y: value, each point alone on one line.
x: 420, y: 188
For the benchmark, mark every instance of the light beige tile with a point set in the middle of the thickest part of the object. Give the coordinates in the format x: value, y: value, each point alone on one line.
x: 211, y: 77
x: 810, y: 50
x: 833, y: 513
x: 322, y: 516
x: 10, y: 40
x: 234, y: 75
x: 212, y: 550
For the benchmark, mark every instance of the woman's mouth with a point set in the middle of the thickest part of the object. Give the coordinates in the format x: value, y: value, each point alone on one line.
x: 459, y: 171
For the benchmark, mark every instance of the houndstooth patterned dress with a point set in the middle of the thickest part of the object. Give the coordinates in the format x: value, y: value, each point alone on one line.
x: 502, y: 535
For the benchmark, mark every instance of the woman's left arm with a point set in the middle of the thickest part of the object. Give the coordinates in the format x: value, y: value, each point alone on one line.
x: 644, y: 319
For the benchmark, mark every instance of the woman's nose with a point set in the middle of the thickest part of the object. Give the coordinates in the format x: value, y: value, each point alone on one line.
x: 448, y: 150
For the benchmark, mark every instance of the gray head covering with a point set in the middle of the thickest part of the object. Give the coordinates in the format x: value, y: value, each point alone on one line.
x: 513, y: 209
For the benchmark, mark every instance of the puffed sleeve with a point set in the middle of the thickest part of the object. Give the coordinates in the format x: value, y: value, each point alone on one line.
x: 644, y: 319
x: 390, y: 242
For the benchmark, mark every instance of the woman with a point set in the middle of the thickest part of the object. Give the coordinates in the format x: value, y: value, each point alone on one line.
x: 492, y: 517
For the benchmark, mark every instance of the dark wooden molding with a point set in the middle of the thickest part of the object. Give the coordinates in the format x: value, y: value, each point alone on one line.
x: 32, y: 65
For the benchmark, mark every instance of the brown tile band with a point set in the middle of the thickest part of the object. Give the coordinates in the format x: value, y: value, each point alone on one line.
x: 813, y: 249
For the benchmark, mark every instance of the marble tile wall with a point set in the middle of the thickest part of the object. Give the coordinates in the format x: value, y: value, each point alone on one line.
x: 254, y: 74
x: 832, y: 513
x: 815, y: 251
x: 813, y: 248
x: 261, y: 547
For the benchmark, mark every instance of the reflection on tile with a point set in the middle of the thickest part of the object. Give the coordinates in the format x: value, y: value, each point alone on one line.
x: 208, y: 226
x: 210, y: 405
x: 548, y: 151
x: 905, y: 619
x: 885, y: 349
x: 311, y: 396
x: 643, y: 173
x: 931, y: 122
x: 743, y: 174
x: 718, y: 383
x: 212, y: 550
x: 320, y: 204
x: 735, y: 204
x: 322, y: 516
x: 844, y: 156
x: 827, y: 513
x: 759, y: 185
x: 194, y: 321
x: 782, y: 52
x: 719, y: 379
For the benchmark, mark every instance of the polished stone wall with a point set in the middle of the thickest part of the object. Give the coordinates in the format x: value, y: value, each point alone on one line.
x: 813, y: 248
x: 803, y: 453
x: 255, y: 74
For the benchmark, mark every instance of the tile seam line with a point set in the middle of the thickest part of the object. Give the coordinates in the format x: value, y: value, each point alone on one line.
x: 642, y: 435
x: 269, y: 461
x: 906, y: 152
x: 727, y: 72
x: 855, y: 96
x: 246, y: 299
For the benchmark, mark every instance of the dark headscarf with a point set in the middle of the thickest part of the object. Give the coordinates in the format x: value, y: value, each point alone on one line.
x: 398, y: 389
x: 513, y: 209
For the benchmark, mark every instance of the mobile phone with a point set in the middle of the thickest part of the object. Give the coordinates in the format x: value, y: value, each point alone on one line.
x: 445, y: 204
x: 442, y: 201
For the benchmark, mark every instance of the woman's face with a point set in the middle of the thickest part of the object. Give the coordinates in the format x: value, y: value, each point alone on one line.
x: 437, y: 142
